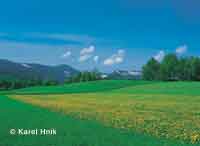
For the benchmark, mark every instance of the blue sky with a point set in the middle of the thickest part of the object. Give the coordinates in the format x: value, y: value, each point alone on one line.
x: 107, y: 34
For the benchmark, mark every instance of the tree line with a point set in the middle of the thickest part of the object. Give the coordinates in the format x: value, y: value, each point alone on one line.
x: 17, y: 84
x: 85, y: 77
x: 172, y: 68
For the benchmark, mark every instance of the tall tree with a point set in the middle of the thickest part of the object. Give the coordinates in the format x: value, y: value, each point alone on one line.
x: 169, y: 68
x: 195, y: 68
x: 183, y: 69
x: 150, y: 71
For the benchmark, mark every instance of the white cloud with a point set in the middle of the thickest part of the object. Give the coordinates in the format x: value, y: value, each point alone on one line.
x: 115, y: 58
x: 96, y: 59
x: 181, y: 49
x: 109, y: 61
x: 66, y: 54
x: 86, y: 53
x: 85, y: 57
x: 159, y: 56
x: 119, y: 59
x: 88, y: 50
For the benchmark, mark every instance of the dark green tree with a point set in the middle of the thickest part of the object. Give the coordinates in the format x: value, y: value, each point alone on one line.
x: 169, y: 68
x: 84, y: 77
x: 150, y: 71
x: 195, y: 68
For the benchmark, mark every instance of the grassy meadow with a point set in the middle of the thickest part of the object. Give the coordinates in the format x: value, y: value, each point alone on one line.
x: 84, y: 87
x: 106, y: 113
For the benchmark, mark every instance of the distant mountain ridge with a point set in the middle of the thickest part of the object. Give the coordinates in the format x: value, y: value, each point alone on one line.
x: 14, y: 70
x: 125, y: 75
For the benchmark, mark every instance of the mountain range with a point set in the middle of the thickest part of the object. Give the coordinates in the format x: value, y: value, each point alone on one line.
x: 32, y: 71
x: 13, y: 70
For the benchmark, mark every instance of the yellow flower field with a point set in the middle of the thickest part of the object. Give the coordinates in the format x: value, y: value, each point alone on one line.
x: 168, y: 116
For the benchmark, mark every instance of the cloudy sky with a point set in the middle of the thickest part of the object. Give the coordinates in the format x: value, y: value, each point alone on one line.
x: 107, y: 34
